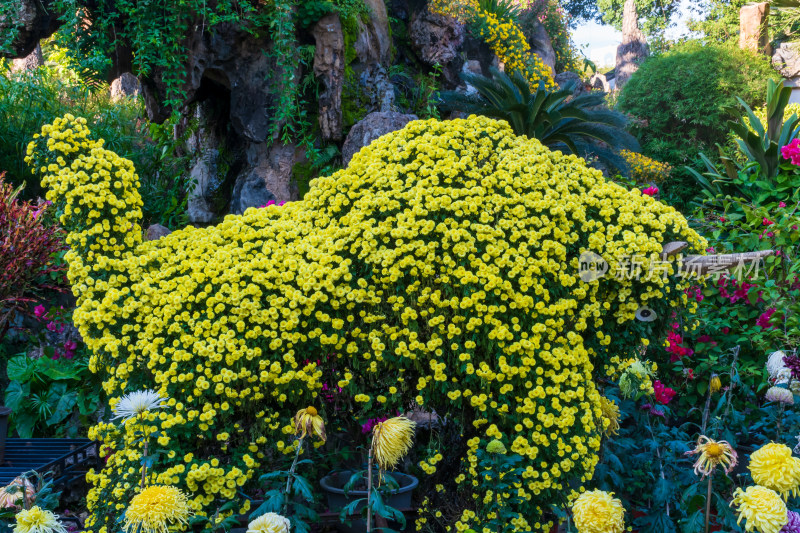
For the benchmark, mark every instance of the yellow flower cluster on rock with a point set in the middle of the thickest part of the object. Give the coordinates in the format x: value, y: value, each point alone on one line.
x: 447, y: 253
x: 504, y: 38
x: 644, y: 169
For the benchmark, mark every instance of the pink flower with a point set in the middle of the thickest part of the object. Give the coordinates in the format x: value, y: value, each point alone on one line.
x: 39, y: 311
x: 763, y: 320
x: 664, y: 394
x: 767, y: 222
x: 792, y: 151
x: 722, y: 219
x: 650, y: 191
x: 782, y: 204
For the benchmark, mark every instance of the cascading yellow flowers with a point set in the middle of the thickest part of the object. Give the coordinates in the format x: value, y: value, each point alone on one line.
x: 713, y: 454
x: 156, y: 509
x: 308, y: 422
x: 434, y: 257
x: 761, y: 508
x: 772, y: 466
x: 391, y: 440
x: 598, y: 511
x: 610, y: 416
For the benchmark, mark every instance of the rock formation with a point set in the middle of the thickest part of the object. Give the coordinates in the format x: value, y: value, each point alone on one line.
x: 634, y: 45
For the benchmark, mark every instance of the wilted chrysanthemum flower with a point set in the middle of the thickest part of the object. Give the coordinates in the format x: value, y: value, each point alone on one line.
x: 37, y: 520
x: 308, y: 422
x: 793, y: 524
x: 391, y: 440
x: 137, y: 403
x: 610, y: 416
x: 496, y: 447
x: 762, y: 509
x: 780, y: 395
x: 715, y: 384
x: 598, y: 511
x: 11, y: 495
x: 713, y: 454
x: 772, y: 466
x: 155, y: 509
x: 269, y: 523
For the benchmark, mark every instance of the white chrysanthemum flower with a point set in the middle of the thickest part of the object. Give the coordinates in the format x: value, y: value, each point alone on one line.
x: 775, y: 364
x: 780, y: 395
x: 137, y: 403
x: 269, y: 523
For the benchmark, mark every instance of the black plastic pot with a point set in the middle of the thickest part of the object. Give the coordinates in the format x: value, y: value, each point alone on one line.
x: 332, y: 486
x: 5, y: 412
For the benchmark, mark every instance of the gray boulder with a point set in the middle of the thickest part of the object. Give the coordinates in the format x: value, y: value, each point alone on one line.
x: 126, y: 86
x: 786, y: 59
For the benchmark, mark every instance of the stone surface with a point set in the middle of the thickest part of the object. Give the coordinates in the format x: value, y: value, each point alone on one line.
x: 32, y: 61
x: 268, y: 176
x: 754, y: 26
x: 329, y: 70
x: 435, y: 38
x: 600, y: 82
x: 786, y: 59
x: 564, y: 78
x: 378, y: 88
x: 156, y: 231
x: 126, y: 86
x: 31, y: 21
x: 633, y: 49
x: 370, y: 128
x: 374, y: 43
x: 232, y: 58
x: 542, y: 46
x: 203, y: 198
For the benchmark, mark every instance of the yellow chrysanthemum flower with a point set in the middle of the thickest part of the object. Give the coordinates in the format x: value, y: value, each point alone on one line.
x: 155, y: 509
x: 308, y: 422
x: 762, y: 509
x: 598, y: 511
x: 37, y: 520
x: 772, y: 466
x: 610, y: 416
x: 391, y: 440
x: 269, y: 523
x: 712, y: 454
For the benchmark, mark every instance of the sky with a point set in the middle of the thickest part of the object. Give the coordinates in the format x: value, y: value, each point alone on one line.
x: 599, y: 42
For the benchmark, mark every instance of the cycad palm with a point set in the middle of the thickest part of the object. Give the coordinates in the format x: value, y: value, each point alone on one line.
x: 581, y: 125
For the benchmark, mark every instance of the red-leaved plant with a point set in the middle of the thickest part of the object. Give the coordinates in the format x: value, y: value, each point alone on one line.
x: 27, y: 247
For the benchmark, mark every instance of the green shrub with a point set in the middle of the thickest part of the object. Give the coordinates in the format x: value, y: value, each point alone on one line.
x: 30, y: 99
x: 684, y: 98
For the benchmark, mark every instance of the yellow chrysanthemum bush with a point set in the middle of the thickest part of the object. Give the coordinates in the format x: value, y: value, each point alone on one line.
x: 504, y: 37
x: 444, y: 259
x: 644, y: 169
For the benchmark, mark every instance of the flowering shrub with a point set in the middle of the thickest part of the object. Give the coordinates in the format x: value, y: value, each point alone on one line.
x: 446, y: 256
x: 644, y: 169
x: 27, y: 246
x: 503, y: 36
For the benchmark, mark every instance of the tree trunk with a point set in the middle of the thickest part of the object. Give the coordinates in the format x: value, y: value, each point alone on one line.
x: 634, y: 45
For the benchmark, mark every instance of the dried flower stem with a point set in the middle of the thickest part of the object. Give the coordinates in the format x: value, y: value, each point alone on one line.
x: 708, y: 502
x: 291, y: 475
x: 369, y: 490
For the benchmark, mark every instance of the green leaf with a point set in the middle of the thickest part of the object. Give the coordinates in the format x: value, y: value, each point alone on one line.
x: 66, y: 403
x: 16, y: 394
x: 20, y: 368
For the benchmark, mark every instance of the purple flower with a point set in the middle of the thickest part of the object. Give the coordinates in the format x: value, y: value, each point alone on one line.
x: 794, y: 523
x: 763, y: 320
x: 793, y: 364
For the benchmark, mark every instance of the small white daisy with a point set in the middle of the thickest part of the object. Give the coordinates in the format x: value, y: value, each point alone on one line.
x: 137, y: 403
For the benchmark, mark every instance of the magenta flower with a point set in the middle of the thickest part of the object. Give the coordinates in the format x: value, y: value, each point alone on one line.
x: 793, y: 526
x: 664, y: 394
x: 650, y: 191
x: 39, y: 311
x: 767, y: 222
x: 763, y: 320
x: 782, y: 204
x: 792, y: 152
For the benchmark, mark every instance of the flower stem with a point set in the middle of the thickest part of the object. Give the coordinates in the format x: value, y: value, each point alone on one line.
x: 708, y: 502
x: 369, y: 490
x: 291, y: 476
x: 144, y: 465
